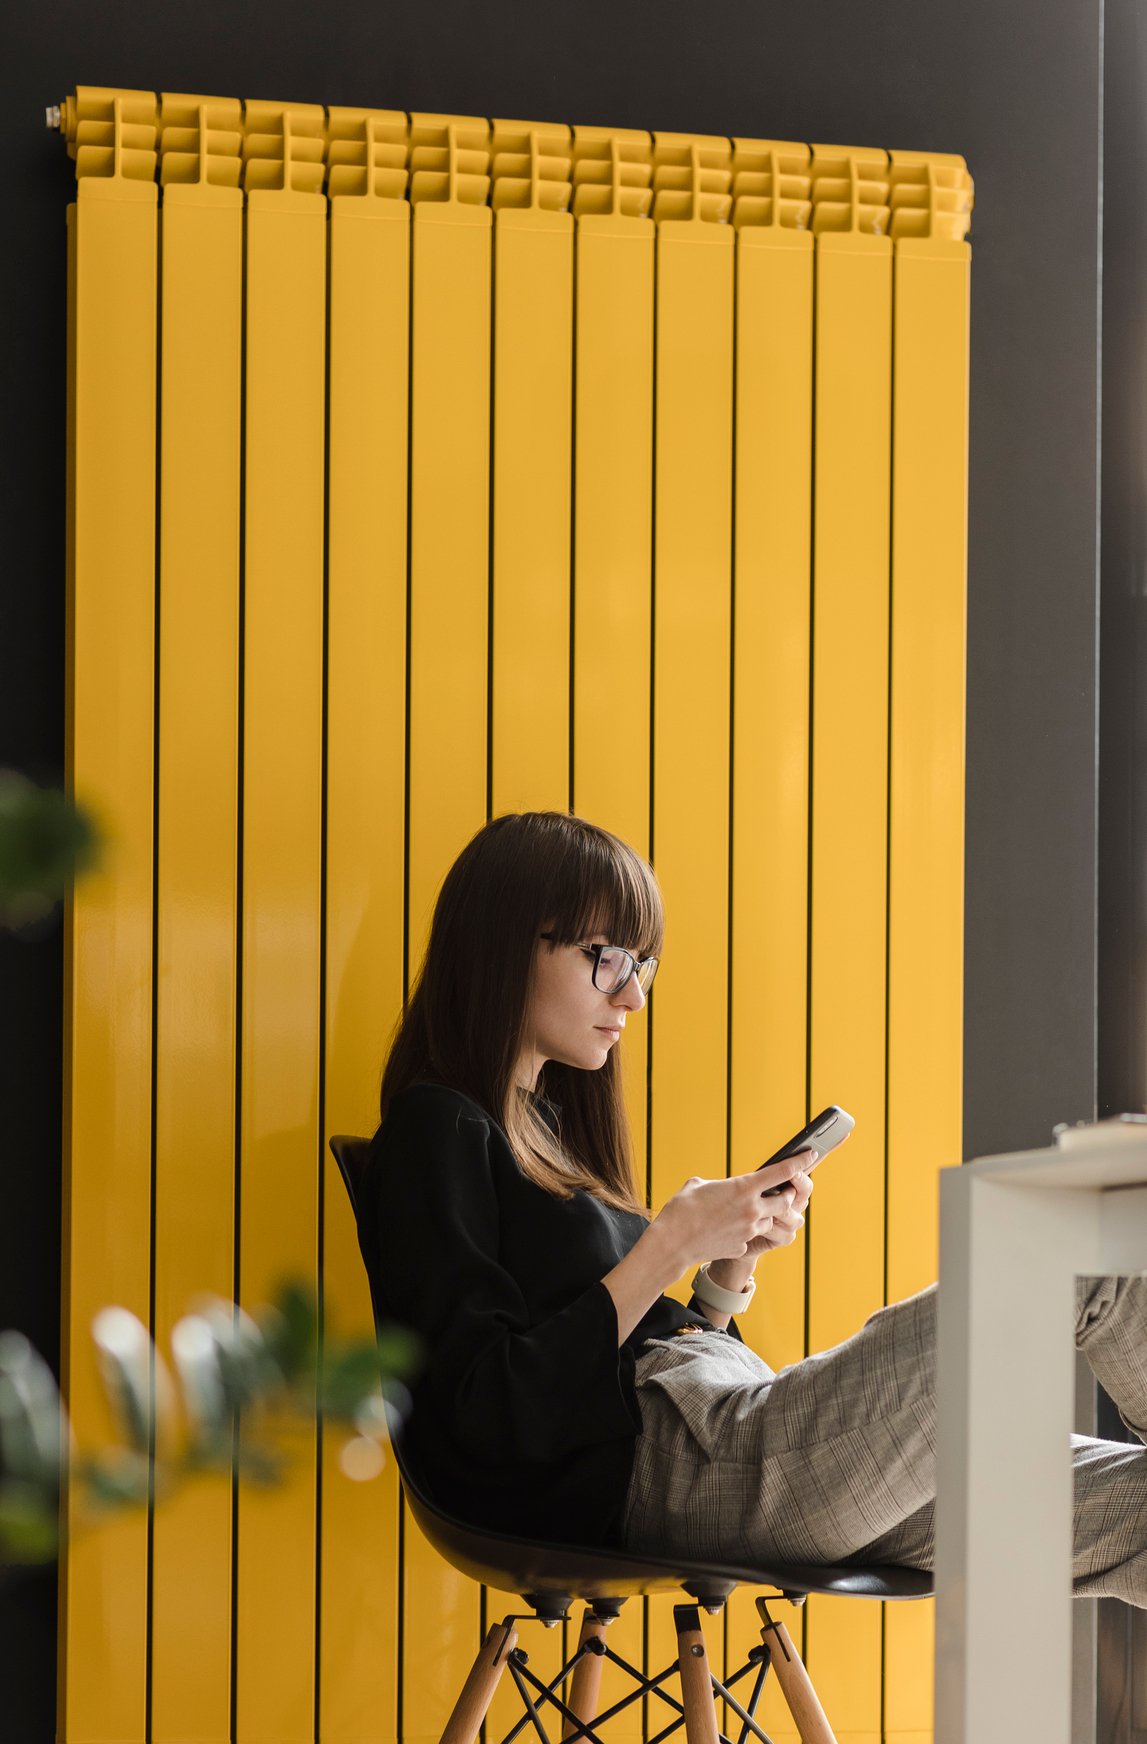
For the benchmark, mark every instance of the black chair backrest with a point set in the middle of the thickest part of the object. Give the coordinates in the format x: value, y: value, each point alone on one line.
x: 350, y: 1154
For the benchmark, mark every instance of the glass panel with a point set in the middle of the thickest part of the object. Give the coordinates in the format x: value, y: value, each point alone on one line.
x: 645, y: 973
x: 613, y: 967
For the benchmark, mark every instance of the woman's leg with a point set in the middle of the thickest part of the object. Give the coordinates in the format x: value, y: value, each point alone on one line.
x: 808, y: 1466
x: 849, y: 1438
x: 1111, y: 1476
x: 1110, y: 1559
x: 834, y: 1458
x: 1111, y: 1331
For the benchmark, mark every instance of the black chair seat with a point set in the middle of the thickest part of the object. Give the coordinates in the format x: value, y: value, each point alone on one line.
x: 568, y: 1571
x: 551, y: 1575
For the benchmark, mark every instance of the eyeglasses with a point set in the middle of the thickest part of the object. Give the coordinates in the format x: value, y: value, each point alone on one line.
x: 613, y: 967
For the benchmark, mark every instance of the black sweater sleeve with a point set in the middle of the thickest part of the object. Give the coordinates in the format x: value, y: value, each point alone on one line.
x: 523, y: 1386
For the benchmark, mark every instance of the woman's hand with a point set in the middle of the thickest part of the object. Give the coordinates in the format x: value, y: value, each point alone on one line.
x: 733, y: 1218
x: 705, y: 1218
x: 790, y: 1203
x: 787, y: 1219
x: 732, y: 1271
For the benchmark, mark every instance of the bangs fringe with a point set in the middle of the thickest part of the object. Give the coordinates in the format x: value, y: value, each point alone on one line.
x: 613, y: 891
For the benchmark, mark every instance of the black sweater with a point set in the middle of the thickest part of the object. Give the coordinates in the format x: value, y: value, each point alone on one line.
x: 525, y: 1415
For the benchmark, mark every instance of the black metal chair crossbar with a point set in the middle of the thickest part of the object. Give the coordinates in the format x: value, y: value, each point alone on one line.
x: 550, y: 1577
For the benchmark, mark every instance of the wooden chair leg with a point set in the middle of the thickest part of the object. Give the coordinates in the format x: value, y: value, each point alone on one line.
x: 796, y: 1687
x: 478, y: 1690
x: 696, y: 1679
x: 585, y: 1684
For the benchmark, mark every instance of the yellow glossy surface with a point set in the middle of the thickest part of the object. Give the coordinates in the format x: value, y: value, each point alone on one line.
x: 107, y: 1178
x: 281, y: 918
x: 366, y: 784
x: 926, y: 836
x: 201, y: 392
x: 849, y: 858
x: 550, y: 520
x: 449, y: 517
x: 449, y: 482
x: 692, y: 594
x: 613, y: 521
x: 533, y: 390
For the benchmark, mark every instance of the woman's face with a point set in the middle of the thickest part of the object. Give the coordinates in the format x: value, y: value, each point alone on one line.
x: 569, y: 1020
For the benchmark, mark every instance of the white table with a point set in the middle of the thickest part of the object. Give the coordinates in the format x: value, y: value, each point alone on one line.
x: 1014, y: 1232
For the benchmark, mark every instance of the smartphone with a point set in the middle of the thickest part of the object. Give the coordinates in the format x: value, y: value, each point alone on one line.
x: 822, y: 1134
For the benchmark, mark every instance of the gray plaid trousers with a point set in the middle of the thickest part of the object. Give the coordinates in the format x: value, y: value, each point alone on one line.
x: 834, y: 1458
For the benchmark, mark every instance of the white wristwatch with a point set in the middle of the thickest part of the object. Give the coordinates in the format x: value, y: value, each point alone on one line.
x: 726, y: 1301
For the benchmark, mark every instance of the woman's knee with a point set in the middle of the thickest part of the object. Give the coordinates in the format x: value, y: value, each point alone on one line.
x: 919, y: 1307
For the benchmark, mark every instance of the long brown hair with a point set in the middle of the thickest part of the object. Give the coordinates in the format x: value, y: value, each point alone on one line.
x: 465, y: 1023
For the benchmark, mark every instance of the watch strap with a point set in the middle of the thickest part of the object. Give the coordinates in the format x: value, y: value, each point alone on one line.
x: 713, y: 1296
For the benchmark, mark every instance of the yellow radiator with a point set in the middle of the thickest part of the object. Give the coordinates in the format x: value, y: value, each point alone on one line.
x: 422, y: 468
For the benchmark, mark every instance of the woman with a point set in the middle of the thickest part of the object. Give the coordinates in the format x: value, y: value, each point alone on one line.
x: 564, y: 1395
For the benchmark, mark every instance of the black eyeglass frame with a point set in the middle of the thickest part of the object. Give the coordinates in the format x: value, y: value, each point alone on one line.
x: 636, y: 965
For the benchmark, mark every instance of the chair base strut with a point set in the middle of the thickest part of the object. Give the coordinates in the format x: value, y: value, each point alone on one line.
x: 699, y: 1687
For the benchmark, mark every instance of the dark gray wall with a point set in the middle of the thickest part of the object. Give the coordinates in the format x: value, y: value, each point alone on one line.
x: 1122, y: 1007
x: 1123, y: 718
x: 1014, y: 87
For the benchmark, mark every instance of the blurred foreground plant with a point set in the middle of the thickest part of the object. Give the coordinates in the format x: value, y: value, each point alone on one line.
x: 45, y: 838
x: 243, y: 1388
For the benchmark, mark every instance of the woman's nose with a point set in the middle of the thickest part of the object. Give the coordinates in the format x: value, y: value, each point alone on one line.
x: 630, y: 996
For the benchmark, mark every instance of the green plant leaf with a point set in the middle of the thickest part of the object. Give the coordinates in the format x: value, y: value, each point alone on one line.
x: 28, y: 1524
x: 44, y: 840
